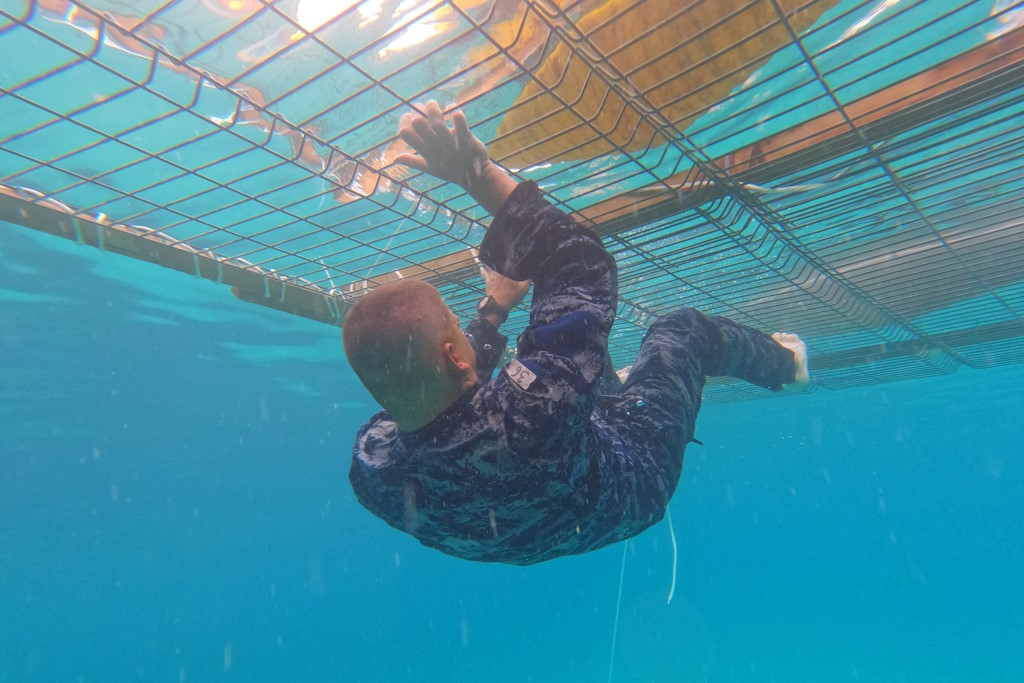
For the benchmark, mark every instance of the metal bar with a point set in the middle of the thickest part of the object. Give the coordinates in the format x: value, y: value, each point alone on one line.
x: 957, y: 84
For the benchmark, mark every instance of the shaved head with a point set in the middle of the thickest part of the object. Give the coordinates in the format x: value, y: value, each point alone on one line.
x: 394, y: 340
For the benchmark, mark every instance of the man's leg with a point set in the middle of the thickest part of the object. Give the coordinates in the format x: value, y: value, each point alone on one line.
x: 655, y: 413
x: 680, y: 351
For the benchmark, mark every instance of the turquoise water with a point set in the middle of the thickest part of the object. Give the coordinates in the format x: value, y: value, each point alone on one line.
x: 174, y: 503
x: 174, y: 507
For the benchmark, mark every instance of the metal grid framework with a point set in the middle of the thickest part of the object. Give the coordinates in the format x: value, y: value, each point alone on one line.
x: 848, y: 170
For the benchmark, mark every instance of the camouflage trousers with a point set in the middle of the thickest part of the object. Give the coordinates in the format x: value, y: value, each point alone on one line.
x: 661, y: 397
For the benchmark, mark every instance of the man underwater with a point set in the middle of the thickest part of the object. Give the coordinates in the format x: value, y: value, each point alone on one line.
x: 553, y: 456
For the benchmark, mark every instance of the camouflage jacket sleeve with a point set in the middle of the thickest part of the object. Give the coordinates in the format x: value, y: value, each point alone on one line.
x: 488, y: 344
x: 550, y: 386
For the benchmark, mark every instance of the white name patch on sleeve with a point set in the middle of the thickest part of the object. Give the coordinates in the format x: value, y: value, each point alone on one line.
x: 520, y: 374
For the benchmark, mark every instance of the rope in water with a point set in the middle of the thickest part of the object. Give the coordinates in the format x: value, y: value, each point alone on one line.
x: 675, y: 554
x: 618, y: 606
x: 622, y: 577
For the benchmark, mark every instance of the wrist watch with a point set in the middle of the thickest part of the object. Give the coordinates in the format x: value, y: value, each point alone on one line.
x: 489, y: 306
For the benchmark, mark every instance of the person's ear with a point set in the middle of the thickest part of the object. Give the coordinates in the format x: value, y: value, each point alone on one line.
x: 454, y: 360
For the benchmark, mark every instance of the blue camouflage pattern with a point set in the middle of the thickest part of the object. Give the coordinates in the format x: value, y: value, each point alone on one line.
x: 553, y: 456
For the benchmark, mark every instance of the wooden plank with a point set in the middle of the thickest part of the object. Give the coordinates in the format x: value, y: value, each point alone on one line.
x: 956, y: 84
x: 248, y: 282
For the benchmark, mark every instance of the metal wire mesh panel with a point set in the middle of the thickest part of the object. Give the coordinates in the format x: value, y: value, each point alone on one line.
x: 848, y: 170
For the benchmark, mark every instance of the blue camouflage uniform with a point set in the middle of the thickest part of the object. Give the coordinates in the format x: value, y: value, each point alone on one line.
x: 539, y: 462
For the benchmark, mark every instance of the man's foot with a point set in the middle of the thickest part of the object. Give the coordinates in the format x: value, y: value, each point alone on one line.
x: 799, y: 349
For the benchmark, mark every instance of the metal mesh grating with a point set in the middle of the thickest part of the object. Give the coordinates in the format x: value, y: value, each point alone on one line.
x: 848, y: 170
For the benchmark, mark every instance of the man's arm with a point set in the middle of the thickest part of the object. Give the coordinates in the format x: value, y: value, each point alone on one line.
x: 574, y: 281
x: 502, y: 295
x: 574, y: 277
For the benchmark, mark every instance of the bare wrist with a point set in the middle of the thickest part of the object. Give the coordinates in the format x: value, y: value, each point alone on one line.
x: 491, y: 187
